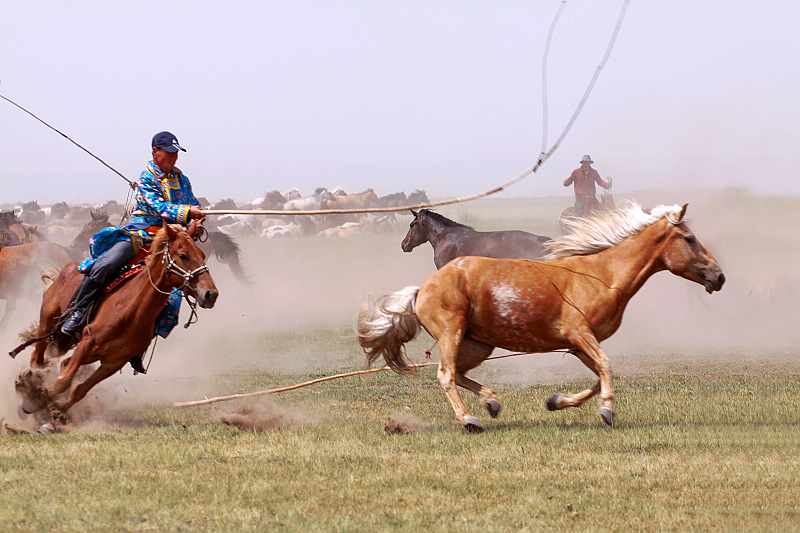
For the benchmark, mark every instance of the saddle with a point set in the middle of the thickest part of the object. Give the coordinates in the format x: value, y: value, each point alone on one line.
x: 134, y: 266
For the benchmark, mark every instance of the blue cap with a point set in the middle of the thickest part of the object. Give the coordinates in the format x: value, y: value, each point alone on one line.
x: 167, y: 142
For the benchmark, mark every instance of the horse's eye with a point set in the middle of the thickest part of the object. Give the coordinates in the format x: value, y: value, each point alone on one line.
x: 183, y: 257
x: 690, y: 239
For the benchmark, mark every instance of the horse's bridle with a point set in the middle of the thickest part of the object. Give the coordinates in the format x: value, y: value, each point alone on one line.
x: 175, y: 268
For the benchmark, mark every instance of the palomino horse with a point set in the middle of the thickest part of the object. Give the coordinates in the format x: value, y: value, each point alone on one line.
x: 361, y: 200
x: 451, y: 239
x: 21, y: 269
x: 606, y: 204
x: 123, y: 323
x: 573, y: 302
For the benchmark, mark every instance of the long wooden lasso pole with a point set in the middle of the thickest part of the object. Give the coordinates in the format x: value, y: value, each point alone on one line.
x: 315, y: 381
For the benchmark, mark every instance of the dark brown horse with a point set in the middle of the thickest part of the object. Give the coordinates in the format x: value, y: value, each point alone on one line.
x: 573, y: 302
x: 79, y: 247
x: 451, y: 239
x: 122, y: 325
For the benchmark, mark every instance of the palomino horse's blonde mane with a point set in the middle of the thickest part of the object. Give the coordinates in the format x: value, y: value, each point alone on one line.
x: 604, y: 229
x: 159, y: 244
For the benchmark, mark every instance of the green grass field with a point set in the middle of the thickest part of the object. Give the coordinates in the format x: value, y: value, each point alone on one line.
x: 707, y: 396
x: 698, y: 449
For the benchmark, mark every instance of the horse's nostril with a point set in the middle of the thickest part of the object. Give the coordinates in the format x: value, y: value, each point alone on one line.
x: 721, y: 279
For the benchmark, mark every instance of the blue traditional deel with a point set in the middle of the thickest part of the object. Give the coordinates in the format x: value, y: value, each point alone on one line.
x: 161, y: 196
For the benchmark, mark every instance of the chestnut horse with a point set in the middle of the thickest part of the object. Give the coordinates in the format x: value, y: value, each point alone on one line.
x: 572, y: 302
x: 21, y: 269
x: 124, y: 320
x: 451, y: 239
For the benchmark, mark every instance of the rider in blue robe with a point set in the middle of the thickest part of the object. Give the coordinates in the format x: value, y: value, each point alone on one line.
x: 164, y: 194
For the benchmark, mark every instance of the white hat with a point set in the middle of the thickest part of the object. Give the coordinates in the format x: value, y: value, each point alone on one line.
x: 586, y: 159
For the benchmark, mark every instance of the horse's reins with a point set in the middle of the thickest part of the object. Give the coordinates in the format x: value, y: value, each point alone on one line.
x: 175, y: 268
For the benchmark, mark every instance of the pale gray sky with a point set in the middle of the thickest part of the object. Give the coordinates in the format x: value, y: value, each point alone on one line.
x: 437, y: 95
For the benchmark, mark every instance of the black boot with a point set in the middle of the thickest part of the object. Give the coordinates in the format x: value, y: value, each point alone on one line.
x: 74, y: 323
x: 88, y: 292
x: 137, y: 364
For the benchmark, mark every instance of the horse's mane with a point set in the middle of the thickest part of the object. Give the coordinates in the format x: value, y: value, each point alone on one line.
x: 160, y: 244
x: 604, y: 229
x: 442, y: 219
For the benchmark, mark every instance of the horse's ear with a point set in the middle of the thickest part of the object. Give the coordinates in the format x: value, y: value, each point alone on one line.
x: 683, y: 212
x: 413, y: 212
x: 193, y: 229
x: 171, y: 233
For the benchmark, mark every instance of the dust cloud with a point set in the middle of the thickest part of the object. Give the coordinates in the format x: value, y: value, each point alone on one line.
x: 255, y: 416
x: 404, y: 424
x: 297, y: 315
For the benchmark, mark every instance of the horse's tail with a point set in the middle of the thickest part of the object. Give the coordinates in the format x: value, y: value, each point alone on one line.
x: 30, y: 333
x: 49, y: 275
x: 385, y: 325
x: 227, y: 251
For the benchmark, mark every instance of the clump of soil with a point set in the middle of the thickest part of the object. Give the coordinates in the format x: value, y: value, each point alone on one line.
x: 31, y: 385
x: 404, y: 423
x: 252, y: 417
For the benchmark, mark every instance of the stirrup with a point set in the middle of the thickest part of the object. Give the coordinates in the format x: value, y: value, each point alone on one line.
x: 73, y: 324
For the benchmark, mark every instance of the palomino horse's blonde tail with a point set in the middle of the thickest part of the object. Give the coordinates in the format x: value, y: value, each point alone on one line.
x: 385, y: 325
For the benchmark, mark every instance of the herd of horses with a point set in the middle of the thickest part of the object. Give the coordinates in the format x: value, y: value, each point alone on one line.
x: 504, y: 289
x: 336, y: 224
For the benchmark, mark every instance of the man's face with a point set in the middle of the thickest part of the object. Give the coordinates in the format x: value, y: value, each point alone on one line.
x: 585, y: 166
x: 164, y: 160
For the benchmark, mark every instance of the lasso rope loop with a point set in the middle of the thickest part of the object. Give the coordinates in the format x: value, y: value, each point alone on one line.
x: 544, y: 155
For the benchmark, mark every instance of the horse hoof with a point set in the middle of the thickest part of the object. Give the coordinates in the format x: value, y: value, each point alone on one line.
x: 607, y: 415
x: 25, y: 408
x: 473, y: 425
x: 46, y: 429
x: 494, y: 407
x: 553, y: 401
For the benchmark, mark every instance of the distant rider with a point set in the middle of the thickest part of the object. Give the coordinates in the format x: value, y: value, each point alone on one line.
x: 584, y: 179
x: 164, y: 194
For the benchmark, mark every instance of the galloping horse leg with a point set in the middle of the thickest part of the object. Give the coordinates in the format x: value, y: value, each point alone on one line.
x: 37, y: 357
x: 487, y: 396
x: 562, y: 401
x: 64, y: 380
x: 472, y: 353
x: 102, y: 372
x: 585, y: 341
x: 449, y: 346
